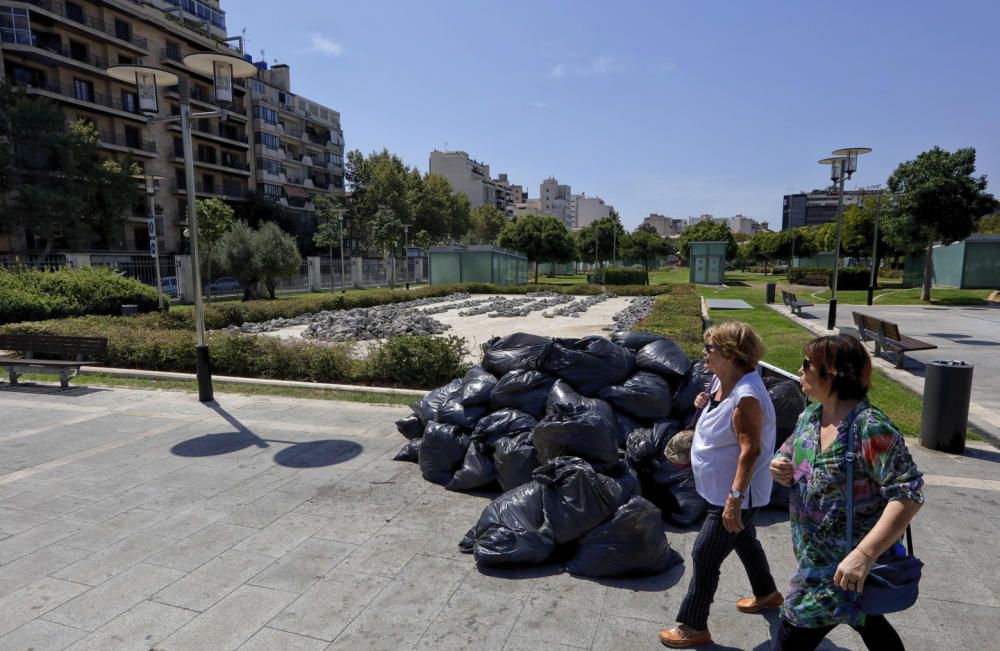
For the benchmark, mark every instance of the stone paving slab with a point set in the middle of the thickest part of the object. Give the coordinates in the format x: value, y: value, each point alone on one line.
x: 212, y: 527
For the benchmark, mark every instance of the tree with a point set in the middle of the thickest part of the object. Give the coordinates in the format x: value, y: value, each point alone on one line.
x: 277, y: 253
x: 938, y: 199
x: 55, y: 186
x: 761, y: 247
x: 708, y: 231
x: 602, y: 240
x: 387, y: 233
x: 645, y: 246
x: 646, y: 227
x: 486, y: 224
x: 238, y: 257
x: 542, y: 238
x: 215, y: 218
x: 990, y: 224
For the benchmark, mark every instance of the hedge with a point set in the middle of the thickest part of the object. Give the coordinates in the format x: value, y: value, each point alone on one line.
x: 27, y: 295
x: 636, y: 277
x: 848, y: 278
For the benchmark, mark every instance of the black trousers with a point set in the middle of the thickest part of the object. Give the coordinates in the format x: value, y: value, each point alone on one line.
x: 877, y: 633
x: 711, y: 548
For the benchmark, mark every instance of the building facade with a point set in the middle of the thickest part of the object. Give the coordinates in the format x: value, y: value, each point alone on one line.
x: 665, y: 226
x: 586, y: 210
x: 556, y: 200
x: 817, y: 207
x: 62, y: 49
x: 466, y: 175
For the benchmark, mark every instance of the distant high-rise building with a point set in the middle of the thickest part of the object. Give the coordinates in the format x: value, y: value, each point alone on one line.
x: 665, y: 226
x: 466, y: 175
x: 586, y: 210
x: 817, y: 207
x: 556, y: 200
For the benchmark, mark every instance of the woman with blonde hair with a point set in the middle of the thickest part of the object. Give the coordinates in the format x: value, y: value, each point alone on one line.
x: 730, y: 453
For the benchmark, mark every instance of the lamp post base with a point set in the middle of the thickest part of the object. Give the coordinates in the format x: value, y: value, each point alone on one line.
x: 871, y: 294
x: 203, y: 368
x: 831, y: 322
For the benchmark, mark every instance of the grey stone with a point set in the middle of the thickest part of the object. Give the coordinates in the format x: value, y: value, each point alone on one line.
x: 213, y: 580
x: 20, y: 607
x: 231, y: 622
x: 303, y: 566
x: 114, y: 559
x: 40, y: 634
x: 472, y: 620
x: 198, y: 549
x: 140, y: 629
x: 326, y: 609
x: 269, y: 639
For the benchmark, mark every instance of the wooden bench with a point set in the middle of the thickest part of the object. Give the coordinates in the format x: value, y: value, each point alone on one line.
x: 816, y: 279
x: 51, y: 354
x: 886, y: 336
x: 793, y: 303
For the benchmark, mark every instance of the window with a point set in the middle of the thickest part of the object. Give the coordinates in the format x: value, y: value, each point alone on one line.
x: 336, y: 159
x: 27, y: 76
x: 206, y: 154
x: 77, y: 50
x: 74, y: 12
x: 133, y: 137
x: 258, y: 87
x: 178, y: 148
x: 269, y: 166
x: 268, y: 140
x: 207, y: 183
x: 181, y: 181
x: 83, y: 90
x: 266, y: 114
x: 14, y: 26
x: 272, y: 190
x: 125, y: 60
x: 130, y: 102
x: 123, y: 30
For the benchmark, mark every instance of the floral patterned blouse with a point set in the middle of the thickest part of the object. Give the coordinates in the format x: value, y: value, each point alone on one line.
x: 884, y: 472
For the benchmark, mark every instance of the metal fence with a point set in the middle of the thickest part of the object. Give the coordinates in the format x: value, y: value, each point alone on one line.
x: 331, y: 279
x: 33, y: 261
x: 142, y: 268
x: 297, y: 284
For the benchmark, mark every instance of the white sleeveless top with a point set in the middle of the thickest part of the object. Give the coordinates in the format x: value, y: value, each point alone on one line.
x: 715, y: 449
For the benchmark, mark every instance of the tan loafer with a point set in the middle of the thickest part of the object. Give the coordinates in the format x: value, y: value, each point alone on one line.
x: 684, y: 636
x: 757, y: 604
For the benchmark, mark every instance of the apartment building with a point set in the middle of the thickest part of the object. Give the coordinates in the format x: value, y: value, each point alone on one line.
x: 466, y: 175
x: 556, y: 200
x: 817, y: 206
x: 586, y: 210
x: 665, y: 226
x: 298, y: 146
x: 269, y: 139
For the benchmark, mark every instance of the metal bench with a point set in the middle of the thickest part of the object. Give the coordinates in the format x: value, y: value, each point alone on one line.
x: 793, y: 303
x: 62, y: 355
x: 886, y: 336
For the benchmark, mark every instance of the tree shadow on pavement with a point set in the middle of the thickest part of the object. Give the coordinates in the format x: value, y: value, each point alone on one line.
x: 305, y: 454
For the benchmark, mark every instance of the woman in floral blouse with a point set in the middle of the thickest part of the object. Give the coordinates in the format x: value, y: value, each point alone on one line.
x: 836, y: 373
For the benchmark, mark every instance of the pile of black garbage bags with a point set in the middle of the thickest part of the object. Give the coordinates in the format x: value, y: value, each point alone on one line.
x: 574, y: 432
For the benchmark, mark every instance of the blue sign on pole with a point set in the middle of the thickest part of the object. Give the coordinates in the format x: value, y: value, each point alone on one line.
x: 151, y: 227
x: 414, y: 252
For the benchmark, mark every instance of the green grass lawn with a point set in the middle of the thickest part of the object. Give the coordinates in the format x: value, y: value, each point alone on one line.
x: 910, y: 296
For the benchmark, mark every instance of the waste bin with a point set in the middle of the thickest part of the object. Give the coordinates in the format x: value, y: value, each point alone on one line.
x: 130, y: 310
x: 947, y: 389
x: 770, y: 292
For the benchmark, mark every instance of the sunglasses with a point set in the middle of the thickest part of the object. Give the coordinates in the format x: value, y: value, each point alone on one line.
x: 806, y: 364
x: 711, y: 347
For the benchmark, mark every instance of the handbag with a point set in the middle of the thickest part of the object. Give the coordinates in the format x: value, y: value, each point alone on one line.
x: 893, y: 583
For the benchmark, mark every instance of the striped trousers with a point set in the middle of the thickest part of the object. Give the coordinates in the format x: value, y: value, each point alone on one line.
x: 710, y: 549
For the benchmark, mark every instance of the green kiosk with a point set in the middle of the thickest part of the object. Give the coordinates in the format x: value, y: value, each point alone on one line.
x: 707, y: 262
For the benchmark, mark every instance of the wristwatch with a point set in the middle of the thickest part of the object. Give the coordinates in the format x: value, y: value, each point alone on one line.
x: 736, y: 494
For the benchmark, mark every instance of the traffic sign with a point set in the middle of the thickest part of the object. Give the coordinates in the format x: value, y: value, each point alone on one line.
x: 152, y: 247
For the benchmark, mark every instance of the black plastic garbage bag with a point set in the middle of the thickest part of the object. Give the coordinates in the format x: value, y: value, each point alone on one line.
x: 477, y: 470
x: 477, y: 385
x: 411, y: 427
x: 501, y: 424
x: 665, y: 358
x: 645, y: 396
x: 515, y: 459
x: 441, y: 452
x: 672, y: 488
x: 519, y: 350
x: 563, y: 396
x: 697, y: 380
x: 575, y: 497
x: 645, y: 446
x: 509, y: 530
x: 409, y: 452
x: 589, y: 364
x: 576, y: 432
x: 634, y: 341
x: 626, y: 425
x: 789, y: 403
x: 632, y: 543
x: 524, y: 390
x: 427, y: 407
x: 453, y: 412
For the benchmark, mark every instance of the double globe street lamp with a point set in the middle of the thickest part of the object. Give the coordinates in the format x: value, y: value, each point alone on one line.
x: 842, y: 165
x: 223, y: 68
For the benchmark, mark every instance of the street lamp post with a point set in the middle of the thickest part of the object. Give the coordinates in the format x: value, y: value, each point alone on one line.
x: 871, y: 280
x: 149, y: 181
x: 842, y: 165
x: 340, y: 230
x: 406, y: 252
x: 222, y: 68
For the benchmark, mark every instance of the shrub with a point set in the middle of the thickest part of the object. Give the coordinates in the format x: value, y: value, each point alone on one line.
x: 33, y: 295
x: 848, y: 277
x: 619, y: 277
x: 418, y: 361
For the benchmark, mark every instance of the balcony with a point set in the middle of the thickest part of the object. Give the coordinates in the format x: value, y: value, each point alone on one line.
x: 120, y: 140
x: 227, y: 189
x: 171, y: 54
x: 55, y: 46
x: 87, y: 20
x: 201, y: 129
x: 290, y: 130
x: 88, y: 96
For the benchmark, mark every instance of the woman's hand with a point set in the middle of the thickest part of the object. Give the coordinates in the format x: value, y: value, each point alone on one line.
x: 782, y: 471
x: 701, y: 400
x: 732, y: 517
x: 853, y: 570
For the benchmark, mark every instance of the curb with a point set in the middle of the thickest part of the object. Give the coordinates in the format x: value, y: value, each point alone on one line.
x: 167, y: 375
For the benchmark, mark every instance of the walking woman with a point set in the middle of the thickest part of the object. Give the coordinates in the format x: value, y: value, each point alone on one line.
x: 730, y: 454
x: 836, y: 373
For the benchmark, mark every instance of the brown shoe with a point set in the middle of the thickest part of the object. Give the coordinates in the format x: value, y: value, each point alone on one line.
x: 757, y: 604
x: 684, y: 636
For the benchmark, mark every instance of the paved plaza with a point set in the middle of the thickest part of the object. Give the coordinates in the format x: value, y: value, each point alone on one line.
x: 146, y: 520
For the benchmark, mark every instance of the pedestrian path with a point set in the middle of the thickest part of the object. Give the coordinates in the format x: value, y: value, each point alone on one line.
x: 143, y: 519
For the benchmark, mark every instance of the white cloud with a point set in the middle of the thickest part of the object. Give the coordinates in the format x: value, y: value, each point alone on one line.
x: 323, y: 45
x: 539, y: 105
x: 601, y: 65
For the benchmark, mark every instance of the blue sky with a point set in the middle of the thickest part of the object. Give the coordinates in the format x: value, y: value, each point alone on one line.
x: 678, y: 108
